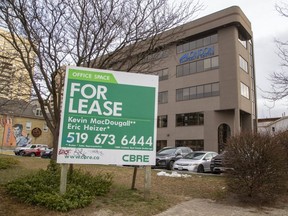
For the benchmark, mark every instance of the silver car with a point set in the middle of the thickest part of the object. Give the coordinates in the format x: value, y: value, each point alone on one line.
x: 197, y: 161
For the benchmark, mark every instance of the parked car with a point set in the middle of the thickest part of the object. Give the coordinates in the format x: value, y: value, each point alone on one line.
x: 47, y: 153
x: 166, y: 157
x: 217, y: 164
x: 19, y: 150
x: 197, y: 161
x: 32, y: 152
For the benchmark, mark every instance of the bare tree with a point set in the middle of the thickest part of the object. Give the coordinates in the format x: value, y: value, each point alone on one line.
x: 279, y: 79
x: 51, y: 34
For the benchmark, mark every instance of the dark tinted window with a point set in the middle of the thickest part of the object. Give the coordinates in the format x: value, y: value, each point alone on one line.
x: 167, y: 151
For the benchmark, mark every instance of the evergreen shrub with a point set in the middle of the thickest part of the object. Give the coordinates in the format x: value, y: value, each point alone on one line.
x: 43, y: 188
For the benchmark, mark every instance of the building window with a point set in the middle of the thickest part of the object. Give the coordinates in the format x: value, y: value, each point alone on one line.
x: 242, y: 40
x: 163, y: 97
x: 215, y: 89
x: 197, y: 66
x: 244, y: 43
x: 45, y: 127
x: 200, y: 66
x: 155, y: 56
x: 207, y: 41
x: 195, y: 145
x: 28, y: 125
x: 186, y: 94
x: 214, y: 38
x: 163, y: 74
x: 189, y: 119
x: 38, y: 112
x: 243, y: 64
x: 162, y: 121
x: 244, y: 90
x: 224, y: 132
x: 196, y: 92
x: 161, y: 144
x: 194, y: 44
x: 207, y: 90
x: 214, y: 62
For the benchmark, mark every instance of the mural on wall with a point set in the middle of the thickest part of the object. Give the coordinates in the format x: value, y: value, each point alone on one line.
x: 20, y: 138
x: 6, y: 122
x: 14, y: 135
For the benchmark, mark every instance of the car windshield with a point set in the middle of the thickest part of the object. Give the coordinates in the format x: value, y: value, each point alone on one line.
x: 195, y: 155
x: 167, y: 151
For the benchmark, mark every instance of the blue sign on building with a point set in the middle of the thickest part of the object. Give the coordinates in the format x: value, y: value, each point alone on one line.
x: 197, y: 54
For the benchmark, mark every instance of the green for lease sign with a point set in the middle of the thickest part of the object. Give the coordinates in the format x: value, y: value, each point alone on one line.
x: 108, y: 117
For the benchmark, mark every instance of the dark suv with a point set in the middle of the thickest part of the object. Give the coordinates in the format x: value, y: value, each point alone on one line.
x: 166, y: 157
x: 217, y: 164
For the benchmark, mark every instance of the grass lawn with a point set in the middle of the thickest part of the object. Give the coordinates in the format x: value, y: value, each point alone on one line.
x: 165, y: 191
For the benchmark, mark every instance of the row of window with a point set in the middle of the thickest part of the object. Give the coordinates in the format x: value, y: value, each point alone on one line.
x: 183, y: 119
x: 201, y: 91
x: 243, y: 63
x: 194, y: 44
x: 190, y: 93
x: 29, y: 126
x: 190, y: 68
x: 196, y: 92
x: 189, y: 119
x: 197, y: 66
x: 155, y: 56
x: 202, y: 65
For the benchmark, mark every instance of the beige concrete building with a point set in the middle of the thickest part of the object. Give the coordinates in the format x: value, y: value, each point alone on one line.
x: 14, y: 78
x: 206, y: 81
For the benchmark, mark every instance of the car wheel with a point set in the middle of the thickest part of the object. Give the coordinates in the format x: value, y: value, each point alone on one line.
x: 21, y: 153
x: 215, y: 172
x: 170, y: 165
x: 200, y: 169
x: 32, y: 154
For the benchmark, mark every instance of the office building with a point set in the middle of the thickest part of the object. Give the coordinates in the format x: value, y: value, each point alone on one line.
x: 206, y: 81
x: 14, y: 79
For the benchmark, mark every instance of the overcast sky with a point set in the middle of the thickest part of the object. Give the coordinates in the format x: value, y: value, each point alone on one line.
x: 267, y: 25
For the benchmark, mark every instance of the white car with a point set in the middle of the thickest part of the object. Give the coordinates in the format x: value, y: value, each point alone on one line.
x: 20, y: 150
x: 197, y: 161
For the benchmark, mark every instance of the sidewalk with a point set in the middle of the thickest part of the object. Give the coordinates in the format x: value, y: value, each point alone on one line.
x: 204, y: 207
x: 6, y: 151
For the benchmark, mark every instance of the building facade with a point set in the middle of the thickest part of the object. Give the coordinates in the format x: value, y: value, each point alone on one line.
x: 206, y: 81
x: 14, y: 78
x: 23, y: 123
x: 273, y: 126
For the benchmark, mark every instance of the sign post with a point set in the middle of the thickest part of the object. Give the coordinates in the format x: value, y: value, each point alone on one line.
x: 63, y: 178
x: 108, y: 117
